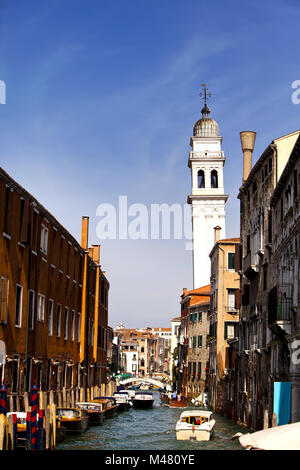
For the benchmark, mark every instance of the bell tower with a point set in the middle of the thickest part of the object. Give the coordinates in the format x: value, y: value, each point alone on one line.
x: 207, y: 198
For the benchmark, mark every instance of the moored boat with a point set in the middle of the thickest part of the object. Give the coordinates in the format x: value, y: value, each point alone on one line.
x: 195, y: 425
x: 173, y: 400
x: 123, y: 401
x: 109, y: 406
x: 73, y: 419
x: 60, y: 432
x: 93, y: 410
x: 143, y: 400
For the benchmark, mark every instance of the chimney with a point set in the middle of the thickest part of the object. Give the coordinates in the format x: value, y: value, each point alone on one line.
x: 96, y: 253
x: 217, y: 230
x: 247, y: 142
x: 85, y: 232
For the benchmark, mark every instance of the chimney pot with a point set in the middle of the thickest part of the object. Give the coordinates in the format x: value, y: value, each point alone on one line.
x: 217, y: 230
x: 247, y: 143
x: 85, y: 232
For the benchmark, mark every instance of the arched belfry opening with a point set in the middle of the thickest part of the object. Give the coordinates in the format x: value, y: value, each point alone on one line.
x: 214, y: 179
x: 201, y: 179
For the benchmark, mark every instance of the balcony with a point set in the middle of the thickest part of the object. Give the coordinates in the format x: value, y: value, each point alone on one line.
x: 251, y: 265
x: 280, y: 313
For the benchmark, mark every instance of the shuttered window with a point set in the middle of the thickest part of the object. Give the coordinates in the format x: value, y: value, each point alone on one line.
x: 4, y: 299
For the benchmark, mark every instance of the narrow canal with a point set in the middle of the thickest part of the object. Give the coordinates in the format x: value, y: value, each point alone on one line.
x: 152, y: 429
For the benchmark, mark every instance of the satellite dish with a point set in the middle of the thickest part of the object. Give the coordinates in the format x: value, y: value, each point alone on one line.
x: 2, y: 353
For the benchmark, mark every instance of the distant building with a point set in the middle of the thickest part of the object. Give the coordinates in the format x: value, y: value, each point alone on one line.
x: 198, y: 351
x: 175, y: 325
x: 223, y: 317
x: 142, y: 350
x: 183, y: 373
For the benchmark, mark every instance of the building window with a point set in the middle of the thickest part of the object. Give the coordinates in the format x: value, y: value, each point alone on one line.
x: 18, y: 314
x: 200, y: 316
x: 230, y: 300
x: 79, y: 326
x: 4, y: 300
x: 199, y: 368
x: 31, y: 304
x: 44, y: 239
x: 231, y: 261
x: 58, y: 321
x: 248, y: 246
x: 40, y: 307
x: 50, y: 318
x: 230, y: 330
x: 73, y: 326
x: 66, y: 326
x: 214, y: 179
x: 92, y: 333
x: 194, y: 341
x: 199, y: 341
x: 7, y: 208
x: 201, y: 179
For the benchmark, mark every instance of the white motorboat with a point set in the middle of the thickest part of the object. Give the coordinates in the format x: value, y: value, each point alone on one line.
x: 197, y: 425
x: 123, y: 400
x: 143, y: 400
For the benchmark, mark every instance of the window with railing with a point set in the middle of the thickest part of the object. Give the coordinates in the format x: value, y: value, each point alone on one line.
x: 284, y: 308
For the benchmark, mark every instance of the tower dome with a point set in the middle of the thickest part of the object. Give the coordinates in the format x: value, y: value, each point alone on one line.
x: 206, y: 127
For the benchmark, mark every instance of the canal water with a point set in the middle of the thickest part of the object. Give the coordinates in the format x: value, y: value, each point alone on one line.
x: 152, y: 429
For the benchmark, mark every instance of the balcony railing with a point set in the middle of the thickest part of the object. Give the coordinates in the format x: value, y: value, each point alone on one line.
x: 279, y: 309
x: 284, y: 309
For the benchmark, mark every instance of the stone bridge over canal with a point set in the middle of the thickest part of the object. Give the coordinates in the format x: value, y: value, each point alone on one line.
x: 147, y: 380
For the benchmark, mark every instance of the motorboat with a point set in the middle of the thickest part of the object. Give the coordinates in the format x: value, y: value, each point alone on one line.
x: 75, y: 420
x: 173, y: 400
x: 93, y: 410
x: 284, y: 437
x: 109, y: 406
x: 143, y: 400
x: 197, y: 425
x: 123, y: 400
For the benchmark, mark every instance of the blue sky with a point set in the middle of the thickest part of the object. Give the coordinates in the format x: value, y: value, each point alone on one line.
x: 101, y: 102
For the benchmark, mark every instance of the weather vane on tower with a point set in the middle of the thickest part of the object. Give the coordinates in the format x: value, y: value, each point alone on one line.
x: 205, y: 93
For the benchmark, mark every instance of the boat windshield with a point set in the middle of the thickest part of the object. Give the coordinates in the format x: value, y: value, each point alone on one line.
x: 65, y: 413
x: 196, y: 420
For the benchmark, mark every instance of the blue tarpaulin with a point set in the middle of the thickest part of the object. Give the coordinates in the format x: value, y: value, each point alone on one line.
x: 282, y: 402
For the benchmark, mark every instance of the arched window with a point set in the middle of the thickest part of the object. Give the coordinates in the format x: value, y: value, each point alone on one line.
x: 201, y: 179
x: 142, y: 349
x: 214, y: 179
x: 142, y: 363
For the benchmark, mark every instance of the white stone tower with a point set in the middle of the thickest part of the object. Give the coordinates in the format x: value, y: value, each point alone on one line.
x: 206, y: 161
